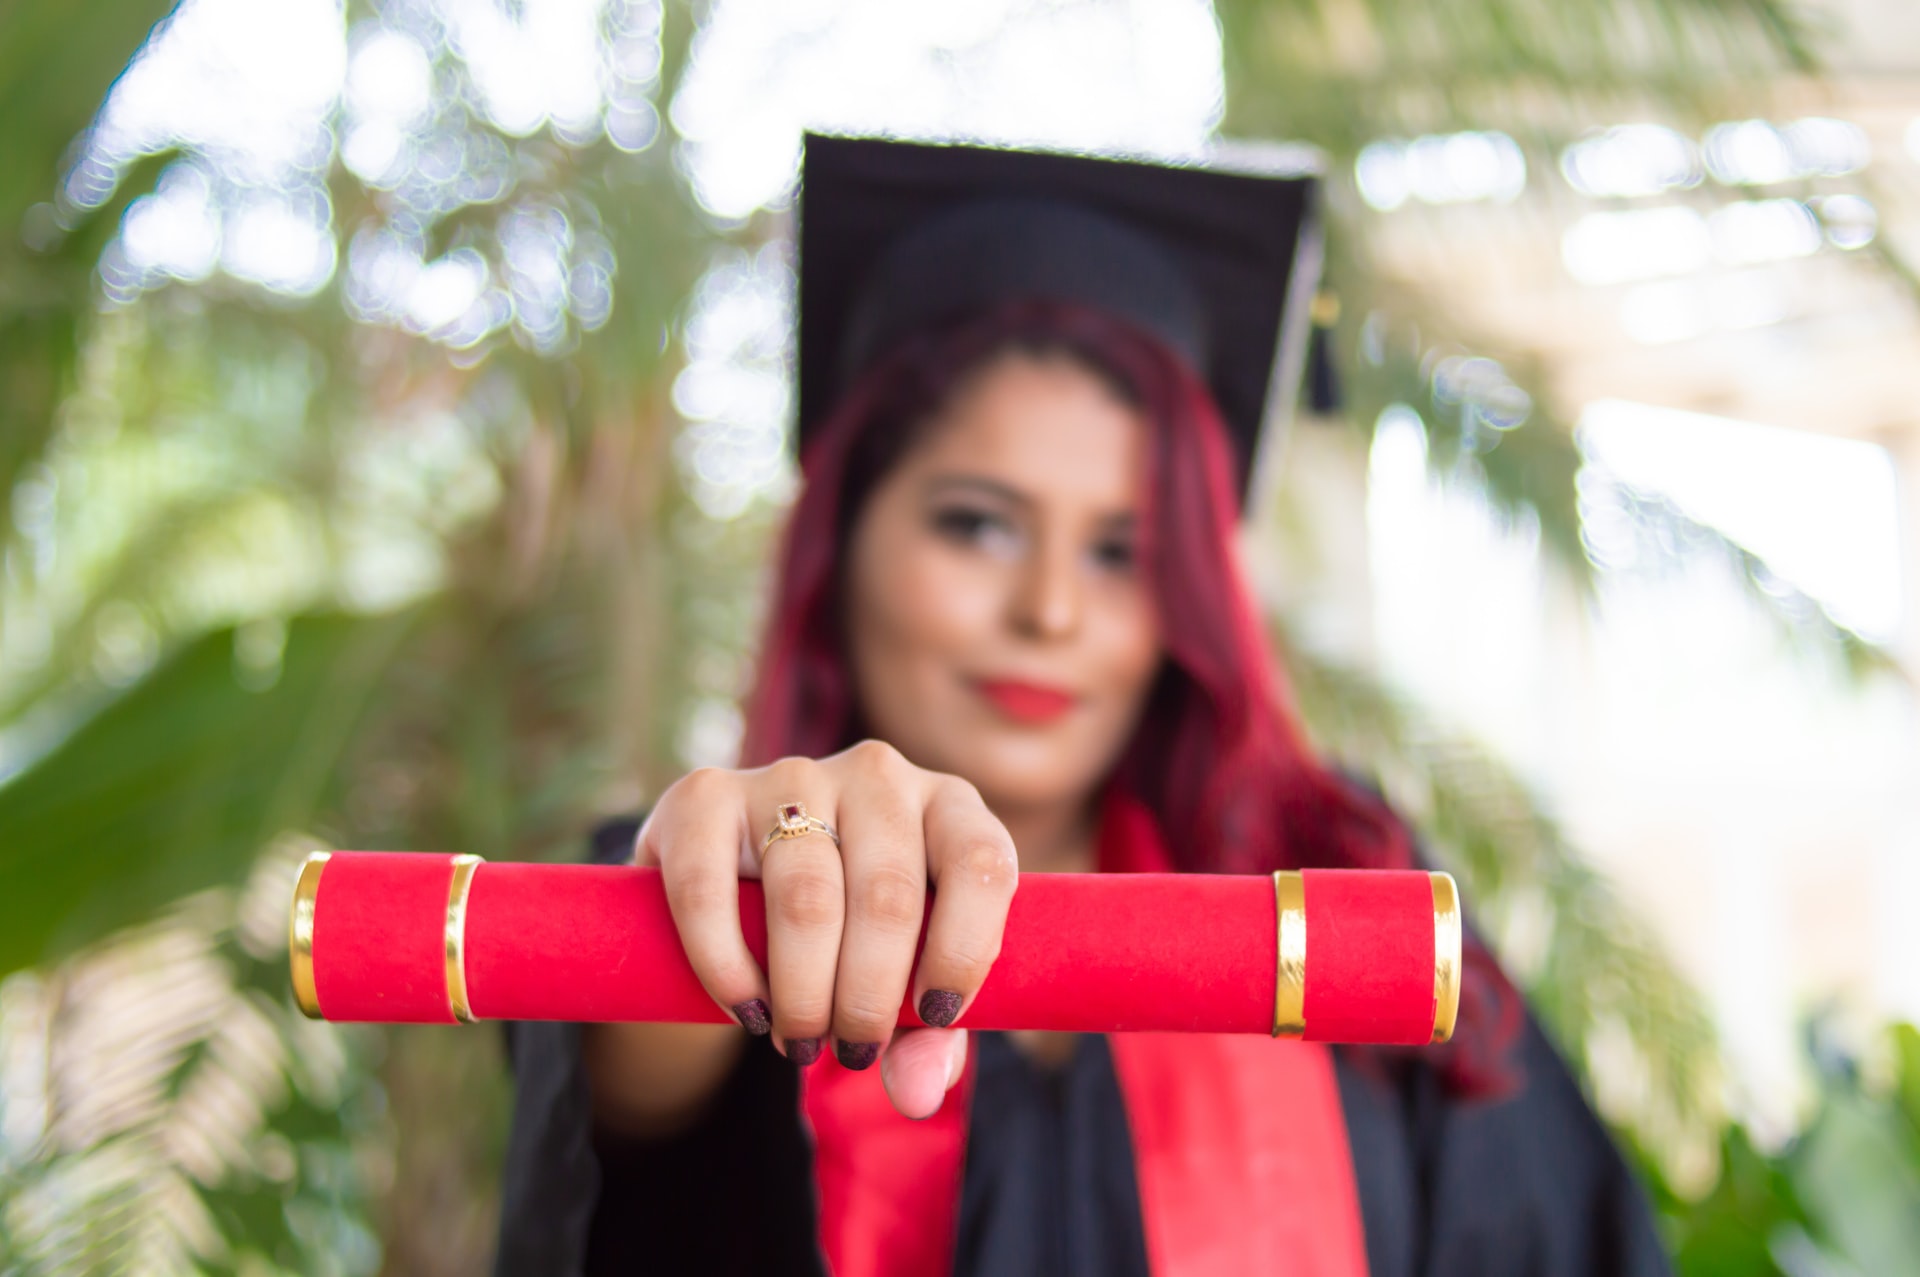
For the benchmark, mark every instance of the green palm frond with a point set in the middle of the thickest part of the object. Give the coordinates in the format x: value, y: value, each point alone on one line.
x: 1341, y: 73
x: 1672, y: 537
x: 1532, y: 475
x: 175, y: 785
x: 184, y: 1117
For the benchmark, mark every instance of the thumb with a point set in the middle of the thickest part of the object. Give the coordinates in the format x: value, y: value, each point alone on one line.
x: 920, y: 1066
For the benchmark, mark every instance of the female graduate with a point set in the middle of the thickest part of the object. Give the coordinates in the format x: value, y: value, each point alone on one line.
x: 1007, y: 636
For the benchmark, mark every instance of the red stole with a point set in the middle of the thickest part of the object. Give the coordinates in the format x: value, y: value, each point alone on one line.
x: 1239, y: 1143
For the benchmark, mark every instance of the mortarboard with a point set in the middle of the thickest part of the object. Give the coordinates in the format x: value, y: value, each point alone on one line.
x: 1219, y: 260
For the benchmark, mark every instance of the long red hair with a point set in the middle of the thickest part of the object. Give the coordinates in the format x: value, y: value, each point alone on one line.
x: 1219, y: 756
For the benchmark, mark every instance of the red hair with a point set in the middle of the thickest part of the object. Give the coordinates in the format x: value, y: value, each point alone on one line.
x: 1219, y: 756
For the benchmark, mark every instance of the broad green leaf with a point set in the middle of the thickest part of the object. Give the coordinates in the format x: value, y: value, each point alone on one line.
x: 1727, y: 1233
x: 177, y: 784
x: 56, y: 64
x: 1856, y: 1175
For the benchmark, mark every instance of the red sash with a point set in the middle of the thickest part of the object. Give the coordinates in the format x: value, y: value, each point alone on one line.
x: 1239, y: 1143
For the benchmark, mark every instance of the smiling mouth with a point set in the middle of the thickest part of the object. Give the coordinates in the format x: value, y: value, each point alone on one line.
x: 1025, y: 702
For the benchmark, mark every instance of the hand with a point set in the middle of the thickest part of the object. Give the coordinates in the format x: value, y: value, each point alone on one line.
x: 842, y: 922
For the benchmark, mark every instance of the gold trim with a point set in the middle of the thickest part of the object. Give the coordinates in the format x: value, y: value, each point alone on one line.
x: 1446, y: 955
x: 1290, y: 946
x: 456, y: 937
x: 306, y: 896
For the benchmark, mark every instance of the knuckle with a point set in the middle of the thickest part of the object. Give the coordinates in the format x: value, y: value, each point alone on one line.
x: 791, y: 773
x: 878, y: 759
x: 701, y: 787
x: 731, y: 979
x: 865, y: 1014
x: 968, y: 960
x: 807, y: 900
x: 700, y: 895
x: 962, y: 790
x: 989, y: 863
x: 800, y: 1016
x: 891, y: 899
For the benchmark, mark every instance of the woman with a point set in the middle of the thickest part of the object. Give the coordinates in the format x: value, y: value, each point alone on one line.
x: 1008, y: 636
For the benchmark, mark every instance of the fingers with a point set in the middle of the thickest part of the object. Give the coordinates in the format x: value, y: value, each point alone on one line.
x: 694, y: 835
x: 921, y: 1066
x: 806, y: 905
x: 842, y: 921
x: 971, y: 859
x: 885, y: 862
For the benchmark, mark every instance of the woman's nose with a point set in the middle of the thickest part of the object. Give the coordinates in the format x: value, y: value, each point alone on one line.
x: 1048, y: 604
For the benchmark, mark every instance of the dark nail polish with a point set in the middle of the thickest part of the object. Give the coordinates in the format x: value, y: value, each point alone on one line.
x: 939, y: 1007
x: 803, y: 1051
x: 754, y: 1017
x: 856, y: 1055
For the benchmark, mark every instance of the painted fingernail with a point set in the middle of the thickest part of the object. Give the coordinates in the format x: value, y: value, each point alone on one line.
x: 803, y: 1051
x: 856, y: 1055
x: 754, y: 1017
x: 939, y: 1007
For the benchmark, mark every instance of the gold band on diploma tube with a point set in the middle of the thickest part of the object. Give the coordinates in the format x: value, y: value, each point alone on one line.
x: 306, y: 892
x: 1290, y: 975
x: 1446, y: 955
x: 457, y: 892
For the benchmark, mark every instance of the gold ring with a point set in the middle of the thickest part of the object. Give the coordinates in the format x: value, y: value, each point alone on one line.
x: 792, y: 821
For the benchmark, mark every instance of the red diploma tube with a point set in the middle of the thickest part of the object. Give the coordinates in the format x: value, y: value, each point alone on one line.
x: 1363, y: 956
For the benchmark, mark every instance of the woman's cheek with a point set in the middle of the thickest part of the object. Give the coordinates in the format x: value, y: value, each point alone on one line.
x: 1130, y: 637
x: 957, y: 598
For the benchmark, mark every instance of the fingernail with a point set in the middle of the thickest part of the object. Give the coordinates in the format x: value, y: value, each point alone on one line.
x: 939, y: 1007
x: 754, y: 1017
x: 856, y: 1055
x: 803, y: 1051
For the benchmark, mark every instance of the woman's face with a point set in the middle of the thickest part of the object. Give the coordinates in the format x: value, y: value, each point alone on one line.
x: 1000, y: 623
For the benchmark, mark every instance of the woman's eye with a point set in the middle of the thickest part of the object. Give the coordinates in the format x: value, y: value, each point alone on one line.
x: 972, y: 527
x: 1117, y: 554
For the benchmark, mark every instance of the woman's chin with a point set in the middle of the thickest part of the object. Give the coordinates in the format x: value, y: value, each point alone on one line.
x: 1028, y: 770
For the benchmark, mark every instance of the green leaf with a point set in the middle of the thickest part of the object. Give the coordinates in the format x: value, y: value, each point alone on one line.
x: 1339, y: 74
x: 1727, y: 1233
x: 1860, y: 1186
x: 1906, y: 1049
x: 177, y: 784
x: 55, y: 70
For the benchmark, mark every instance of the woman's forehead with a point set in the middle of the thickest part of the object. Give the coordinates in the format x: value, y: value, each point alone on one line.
x: 1045, y: 426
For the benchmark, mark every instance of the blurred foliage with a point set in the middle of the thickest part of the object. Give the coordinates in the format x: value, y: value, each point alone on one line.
x: 1843, y: 1198
x: 1591, y: 968
x: 280, y: 562
x: 1838, y: 1200
x: 190, y: 1119
x: 50, y: 86
x: 1342, y: 73
x: 176, y: 785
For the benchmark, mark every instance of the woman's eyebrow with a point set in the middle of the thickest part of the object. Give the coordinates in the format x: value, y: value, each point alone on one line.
x: 979, y: 484
x: 1119, y: 521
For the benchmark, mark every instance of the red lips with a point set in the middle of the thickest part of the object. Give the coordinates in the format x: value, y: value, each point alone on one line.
x: 1026, y: 702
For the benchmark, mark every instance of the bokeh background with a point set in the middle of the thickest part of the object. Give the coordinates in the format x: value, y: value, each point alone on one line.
x: 394, y: 406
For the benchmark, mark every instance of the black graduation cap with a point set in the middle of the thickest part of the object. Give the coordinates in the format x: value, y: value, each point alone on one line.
x: 1220, y: 261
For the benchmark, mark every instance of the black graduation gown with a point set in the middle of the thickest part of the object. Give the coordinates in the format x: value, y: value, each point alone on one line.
x: 1527, y: 1186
